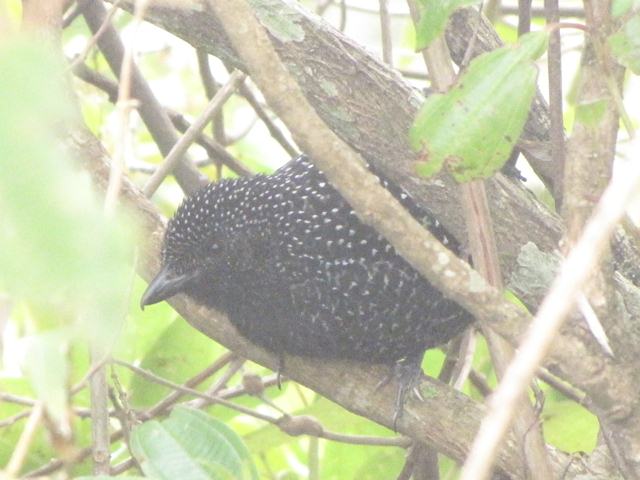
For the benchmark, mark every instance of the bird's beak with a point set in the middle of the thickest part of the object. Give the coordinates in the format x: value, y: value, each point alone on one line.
x: 166, y: 284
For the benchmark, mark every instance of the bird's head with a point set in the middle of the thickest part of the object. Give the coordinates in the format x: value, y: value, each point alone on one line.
x: 195, y: 247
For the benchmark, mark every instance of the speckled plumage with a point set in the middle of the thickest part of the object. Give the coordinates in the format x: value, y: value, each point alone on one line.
x: 297, y: 272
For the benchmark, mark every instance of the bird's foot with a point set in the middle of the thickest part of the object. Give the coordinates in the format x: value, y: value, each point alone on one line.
x: 407, y: 373
x: 279, y: 371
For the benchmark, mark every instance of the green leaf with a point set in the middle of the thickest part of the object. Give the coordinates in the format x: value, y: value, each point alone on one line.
x: 57, y: 248
x: 473, y: 127
x: 625, y: 44
x: 191, y: 444
x: 434, y: 17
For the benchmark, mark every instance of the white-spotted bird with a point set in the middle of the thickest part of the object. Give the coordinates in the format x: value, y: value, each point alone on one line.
x: 295, y: 270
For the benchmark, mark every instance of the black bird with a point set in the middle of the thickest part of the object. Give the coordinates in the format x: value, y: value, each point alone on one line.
x: 296, y: 271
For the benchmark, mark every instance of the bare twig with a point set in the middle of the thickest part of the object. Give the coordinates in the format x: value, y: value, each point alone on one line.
x: 164, y: 404
x: 22, y: 447
x: 343, y: 15
x: 554, y: 70
x: 524, y: 17
x: 213, y: 148
x: 178, y: 150
x: 469, y: 51
x: 402, y: 442
x: 273, y: 128
x: 385, y: 30
x: 82, y: 56
x: 564, y: 388
x: 99, y: 421
x: 69, y: 16
x: 234, y: 366
x: 13, y: 419
x: 593, y: 322
x: 124, y: 105
x: 536, y: 11
x: 463, y: 366
x: 479, y: 381
x: 123, y: 466
x: 190, y: 391
x: 211, y: 87
x: 150, y: 110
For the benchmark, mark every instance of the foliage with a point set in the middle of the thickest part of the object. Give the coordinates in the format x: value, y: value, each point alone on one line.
x: 473, y: 127
x: 191, y: 444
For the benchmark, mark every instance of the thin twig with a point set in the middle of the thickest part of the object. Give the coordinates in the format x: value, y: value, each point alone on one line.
x: 82, y: 56
x: 13, y: 419
x: 211, y: 87
x: 385, y: 31
x: 69, y: 16
x: 322, y: 6
x: 22, y: 447
x: 190, y: 391
x: 234, y: 366
x: 524, y: 17
x: 568, y: 11
x: 99, y: 420
x: 593, y: 322
x: 471, y: 47
x: 479, y: 381
x: 343, y: 15
x: 564, y: 388
x: 164, y: 404
x: 402, y: 442
x: 178, y: 150
x: 274, y: 129
x: 150, y: 110
x: 554, y: 72
x: 123, y: 466
x: 214, y: 149
x: 463, y: 366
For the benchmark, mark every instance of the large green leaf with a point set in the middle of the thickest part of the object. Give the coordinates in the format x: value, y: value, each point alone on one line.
x: 57, y: 248
x: 472, y: 128
x: 190, y: 444
x: 62, y: 259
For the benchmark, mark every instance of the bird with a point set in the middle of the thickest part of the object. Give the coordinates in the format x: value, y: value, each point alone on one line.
x: 295, y: 270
